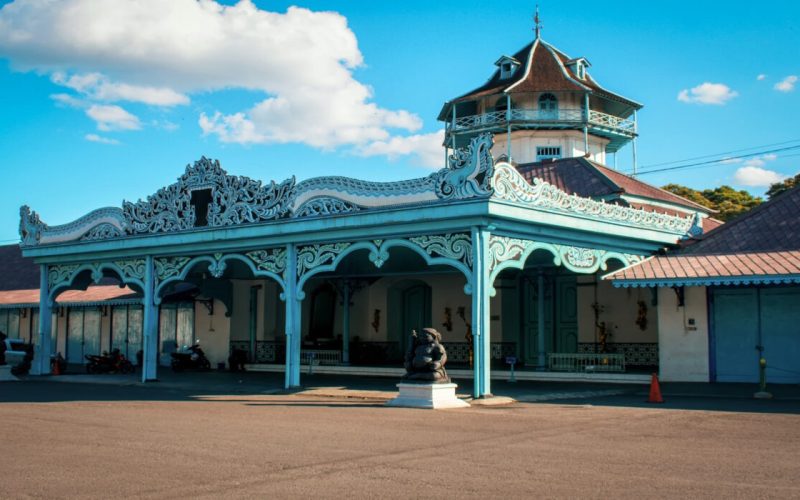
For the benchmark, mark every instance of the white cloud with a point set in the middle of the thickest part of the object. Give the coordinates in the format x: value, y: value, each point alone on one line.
x: 112, y: 118
x: 160, y: 53
x: 68, y: 100
x: 708, y: 93
x: 760, y: 77
x: 97, y: 87
x: 426, y: 149
x: 752, y: 172
x: 787, y: 84
x: 754, y: 176
x: 100, y: 139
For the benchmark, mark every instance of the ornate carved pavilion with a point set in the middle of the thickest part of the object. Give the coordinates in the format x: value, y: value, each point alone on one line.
x: 474, y: 216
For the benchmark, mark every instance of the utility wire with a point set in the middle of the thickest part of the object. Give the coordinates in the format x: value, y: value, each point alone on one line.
x: 719, y: 160
x: 719, y: 154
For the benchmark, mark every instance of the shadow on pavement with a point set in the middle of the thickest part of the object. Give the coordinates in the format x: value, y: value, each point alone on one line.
x: 249, y: 387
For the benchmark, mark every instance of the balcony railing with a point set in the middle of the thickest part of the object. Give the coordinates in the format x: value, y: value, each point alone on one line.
x: 560, y: 116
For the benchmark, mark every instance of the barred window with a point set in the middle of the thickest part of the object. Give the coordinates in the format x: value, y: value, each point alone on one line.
x: 547, y: 152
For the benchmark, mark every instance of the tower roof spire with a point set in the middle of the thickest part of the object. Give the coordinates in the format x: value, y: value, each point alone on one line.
x: 537, y: 25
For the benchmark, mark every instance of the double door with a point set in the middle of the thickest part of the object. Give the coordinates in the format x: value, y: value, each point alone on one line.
x: 558, y: 308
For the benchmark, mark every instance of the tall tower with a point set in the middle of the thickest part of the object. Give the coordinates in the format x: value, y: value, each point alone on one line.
x: 542, y: 104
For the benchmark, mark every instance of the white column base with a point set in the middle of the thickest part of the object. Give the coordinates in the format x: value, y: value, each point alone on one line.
x: 433, y: 396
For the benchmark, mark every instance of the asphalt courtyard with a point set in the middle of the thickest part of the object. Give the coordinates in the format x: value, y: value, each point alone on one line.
x: 240, y: 436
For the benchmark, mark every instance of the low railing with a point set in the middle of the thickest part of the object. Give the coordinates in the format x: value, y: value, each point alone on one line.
x: 569, y: 115
x: 611, y: 121
x: 599, y: 362
x: 320, y: 357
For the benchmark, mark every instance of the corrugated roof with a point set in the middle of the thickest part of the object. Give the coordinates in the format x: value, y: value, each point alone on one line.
x: 93, y: 294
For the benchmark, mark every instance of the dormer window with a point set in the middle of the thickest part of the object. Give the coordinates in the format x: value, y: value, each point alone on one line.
x: 508, y: 66
x: 578, y: 67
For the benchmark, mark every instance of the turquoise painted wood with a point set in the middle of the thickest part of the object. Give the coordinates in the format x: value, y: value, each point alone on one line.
x: 566, y: 314
x: 119, y: 329
x: 780, y: 325
x: 530, y: 320
x: 416, y: 311
x: 91, y: 331
x: 735, y: 317
x: 135, y: 325
x: 75, y: 336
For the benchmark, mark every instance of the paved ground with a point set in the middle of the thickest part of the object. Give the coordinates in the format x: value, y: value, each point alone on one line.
x: 213, y: 436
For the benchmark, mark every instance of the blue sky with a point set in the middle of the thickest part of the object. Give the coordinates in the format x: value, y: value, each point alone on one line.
x: 104, y: 101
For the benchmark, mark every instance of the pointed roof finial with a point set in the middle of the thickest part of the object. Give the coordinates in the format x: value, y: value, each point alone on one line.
x: 537, y: 25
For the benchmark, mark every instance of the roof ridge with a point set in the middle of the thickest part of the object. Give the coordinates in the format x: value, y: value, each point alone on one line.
x: 590, y: 164
x: 528, y: 64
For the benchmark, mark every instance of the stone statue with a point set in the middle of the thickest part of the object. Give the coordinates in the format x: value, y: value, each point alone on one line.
x: 425, y: 358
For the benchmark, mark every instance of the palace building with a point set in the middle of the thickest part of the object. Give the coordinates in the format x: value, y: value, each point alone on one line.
x: 503, y: 251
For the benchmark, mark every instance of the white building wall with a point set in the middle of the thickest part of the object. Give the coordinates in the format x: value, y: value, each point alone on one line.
x: 683, y: 335
x: 619, y: 309
x: 525, y: 142
x: 213, y: 332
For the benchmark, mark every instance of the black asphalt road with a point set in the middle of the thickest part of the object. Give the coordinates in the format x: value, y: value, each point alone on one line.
x: 103, y: 441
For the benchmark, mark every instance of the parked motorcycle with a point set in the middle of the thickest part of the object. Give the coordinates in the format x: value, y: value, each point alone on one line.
x: 190, y: 358
x: 113, y: 362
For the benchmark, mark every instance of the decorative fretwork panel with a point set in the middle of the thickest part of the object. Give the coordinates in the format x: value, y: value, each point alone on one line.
x: 636, y: 353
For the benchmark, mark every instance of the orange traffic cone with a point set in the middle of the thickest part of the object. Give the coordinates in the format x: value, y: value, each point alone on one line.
x: 655, y: 391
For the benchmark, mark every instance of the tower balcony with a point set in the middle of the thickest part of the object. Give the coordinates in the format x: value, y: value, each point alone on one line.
x: 619, y: 131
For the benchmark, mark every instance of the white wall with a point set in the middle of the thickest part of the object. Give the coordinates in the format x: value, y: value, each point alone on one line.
x: 525, y: 142
x: 619, y: 311
x: 683, y: 347
x: 214, y: 343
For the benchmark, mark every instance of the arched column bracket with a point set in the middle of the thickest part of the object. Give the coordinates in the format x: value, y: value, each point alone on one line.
x: 512, y: 253
x: 60, y: 277
x: 270, y: 263
x: 452, y: 249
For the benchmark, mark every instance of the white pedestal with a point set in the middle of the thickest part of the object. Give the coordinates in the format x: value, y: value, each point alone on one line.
x: 433, y: 396
x: 5, y: 374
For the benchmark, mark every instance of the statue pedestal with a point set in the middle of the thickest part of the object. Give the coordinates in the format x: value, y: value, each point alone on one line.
x: 5, y: 374
x: 433, y: 396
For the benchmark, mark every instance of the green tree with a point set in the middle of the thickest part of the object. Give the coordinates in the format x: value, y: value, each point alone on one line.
x: 726, y: 200
x: 779, y: 187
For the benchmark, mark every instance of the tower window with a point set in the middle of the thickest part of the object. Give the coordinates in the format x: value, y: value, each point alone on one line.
x: 581, y: 71
x: 548, y: 152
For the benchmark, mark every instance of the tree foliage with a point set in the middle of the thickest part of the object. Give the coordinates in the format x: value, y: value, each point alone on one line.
x: 780, y: 187
x: 728, y: 201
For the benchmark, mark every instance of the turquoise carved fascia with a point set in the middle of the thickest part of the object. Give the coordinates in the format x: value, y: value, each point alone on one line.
x: 132, y: 269
x: 272, y: 260
x: 168, y: 267
x: 506, y: 252
x: 241, y: 200
x: 60, y: 274
x: 312, y: 256
x: 510, y: 185
x: 456, y: 246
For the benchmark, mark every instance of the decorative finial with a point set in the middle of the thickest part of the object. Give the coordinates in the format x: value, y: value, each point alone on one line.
x: 537, y: 26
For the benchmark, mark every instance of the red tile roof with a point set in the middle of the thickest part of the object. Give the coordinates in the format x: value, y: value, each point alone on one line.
x: 587, y: 178
x: 759, y: 244
x: 548, y: 72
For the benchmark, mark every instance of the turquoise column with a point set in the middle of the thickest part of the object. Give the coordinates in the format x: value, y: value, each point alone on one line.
x: 346, y: 323
x: 292, y: 319
x: 43, y: 348
x: 150, y: 327
x: 480, y: 314
x: 541, y: 359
